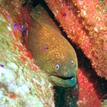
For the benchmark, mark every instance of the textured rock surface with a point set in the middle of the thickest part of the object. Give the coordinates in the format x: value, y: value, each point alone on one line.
x: 21, y: 82
x: 94, y: 14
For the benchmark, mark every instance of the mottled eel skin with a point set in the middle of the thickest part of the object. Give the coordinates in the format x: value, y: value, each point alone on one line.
x: 51, y: 51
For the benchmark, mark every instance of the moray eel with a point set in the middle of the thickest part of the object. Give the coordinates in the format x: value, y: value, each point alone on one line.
x: 51, y: 51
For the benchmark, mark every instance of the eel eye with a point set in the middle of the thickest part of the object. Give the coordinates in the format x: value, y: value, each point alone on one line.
x: 57, y: 66
x: 72, y: 62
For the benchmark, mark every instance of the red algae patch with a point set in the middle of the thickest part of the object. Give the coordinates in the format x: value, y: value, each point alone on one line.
x: 88, y: 95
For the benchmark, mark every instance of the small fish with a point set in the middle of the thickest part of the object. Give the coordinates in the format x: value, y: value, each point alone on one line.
x: 51, y: 51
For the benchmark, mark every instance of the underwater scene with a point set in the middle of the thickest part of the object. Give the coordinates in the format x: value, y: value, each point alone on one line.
x: 53, y: 53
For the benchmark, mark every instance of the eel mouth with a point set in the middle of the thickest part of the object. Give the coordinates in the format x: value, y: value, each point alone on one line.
x: 63, y: 81
x: 64, y: 77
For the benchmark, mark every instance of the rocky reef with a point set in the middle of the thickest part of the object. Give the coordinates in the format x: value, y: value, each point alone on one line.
x: 83, y: 23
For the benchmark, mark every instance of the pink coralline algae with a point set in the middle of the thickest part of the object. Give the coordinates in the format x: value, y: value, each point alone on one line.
x: 88, y: 94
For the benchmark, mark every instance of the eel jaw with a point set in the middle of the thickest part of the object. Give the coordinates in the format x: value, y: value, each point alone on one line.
x: 63, y: 81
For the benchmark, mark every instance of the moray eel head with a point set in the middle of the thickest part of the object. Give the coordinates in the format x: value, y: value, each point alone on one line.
x: 63, y: 71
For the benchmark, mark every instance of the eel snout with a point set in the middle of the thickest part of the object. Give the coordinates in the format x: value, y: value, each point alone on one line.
x: 70, y: 81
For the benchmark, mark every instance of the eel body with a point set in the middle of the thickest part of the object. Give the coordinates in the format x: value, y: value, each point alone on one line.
x: 51, y: 51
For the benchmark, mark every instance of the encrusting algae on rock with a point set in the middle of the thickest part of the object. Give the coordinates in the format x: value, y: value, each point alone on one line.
x: 51, y: 51
x: 20, y: 85
x: 95, y: 21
